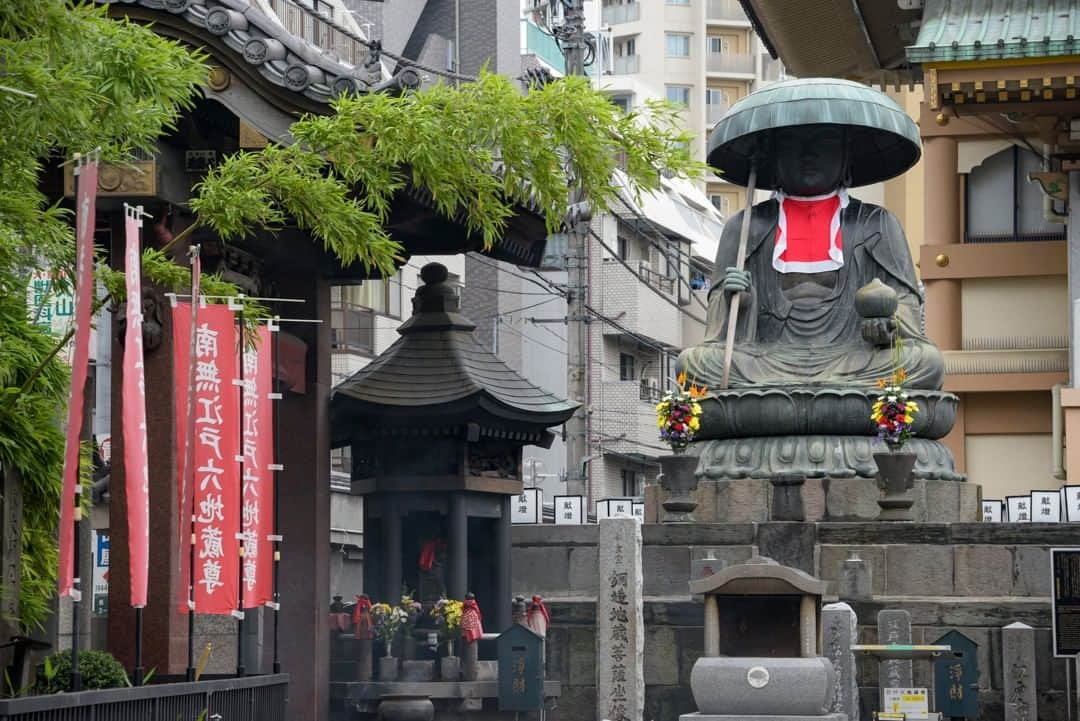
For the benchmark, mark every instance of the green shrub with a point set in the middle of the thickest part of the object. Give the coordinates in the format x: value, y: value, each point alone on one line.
x: 98, y: 668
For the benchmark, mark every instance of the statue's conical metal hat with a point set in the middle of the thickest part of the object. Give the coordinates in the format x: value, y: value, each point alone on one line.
x: 883, y: 141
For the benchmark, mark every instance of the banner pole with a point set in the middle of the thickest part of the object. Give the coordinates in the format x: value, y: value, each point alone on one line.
x: 188, y: 479
x: 138, y: 673
x: 76, y: 596
x: 276, y: 377
x: 239, y: 308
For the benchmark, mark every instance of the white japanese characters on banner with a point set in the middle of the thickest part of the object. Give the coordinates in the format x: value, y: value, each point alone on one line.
x: 257, y: 511
x: 216, y: 489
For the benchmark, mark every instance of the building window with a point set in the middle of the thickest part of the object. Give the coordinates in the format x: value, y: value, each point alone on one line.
x: 626, y: 47
x: 677, y: 45
x: 622, y: 102
x: 678, y: 94
x: 631, y: 483
x: 721, y: 44
x: 678, y: 2
x: 623, y: 247
x: 626, y: 367
x: 722, y: 202
x: 1001, y: 206
x: 381, y: 296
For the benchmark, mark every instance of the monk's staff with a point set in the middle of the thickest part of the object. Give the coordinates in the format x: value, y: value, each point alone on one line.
x: 740, y: 261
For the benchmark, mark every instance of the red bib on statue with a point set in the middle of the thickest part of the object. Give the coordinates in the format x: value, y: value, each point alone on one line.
x: 808, y: 234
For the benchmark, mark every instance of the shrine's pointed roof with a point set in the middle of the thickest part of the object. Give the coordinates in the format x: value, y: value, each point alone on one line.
x: 437, y: 371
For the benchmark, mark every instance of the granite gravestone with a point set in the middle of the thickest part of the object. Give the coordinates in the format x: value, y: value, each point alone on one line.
x: 894, y: 627
x: 620, y: 629
x: 1018, y: 668
x: 839, y: 632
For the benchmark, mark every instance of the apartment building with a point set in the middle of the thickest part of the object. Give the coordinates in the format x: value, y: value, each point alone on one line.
x: 702, y: 54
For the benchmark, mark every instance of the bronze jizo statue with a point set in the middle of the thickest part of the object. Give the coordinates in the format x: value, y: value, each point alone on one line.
x: 827, y: 287
x: 799, y: 322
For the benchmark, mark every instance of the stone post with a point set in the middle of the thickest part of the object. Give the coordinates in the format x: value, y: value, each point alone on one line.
x: 470, y: 660
x: 712, y: 626
x: 1018, y: 669
x: 894, y: 626
x: 808, y: 635
x: 840, y: 632
x: 856, y: 579
x: 620, y: 630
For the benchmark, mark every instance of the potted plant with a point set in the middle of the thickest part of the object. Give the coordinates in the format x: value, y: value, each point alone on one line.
x: 678, y: 416
x: 388, y: 621
x: 893, y: 415
x: 447, y: 615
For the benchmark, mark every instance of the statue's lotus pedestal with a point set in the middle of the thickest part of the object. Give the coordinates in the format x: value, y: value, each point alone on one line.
x: 753, y: 437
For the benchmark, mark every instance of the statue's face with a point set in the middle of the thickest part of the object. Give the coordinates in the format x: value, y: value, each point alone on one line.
x: 810, y: 161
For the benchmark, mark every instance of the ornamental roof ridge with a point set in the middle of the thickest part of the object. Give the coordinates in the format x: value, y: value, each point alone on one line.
x: 280, y: 56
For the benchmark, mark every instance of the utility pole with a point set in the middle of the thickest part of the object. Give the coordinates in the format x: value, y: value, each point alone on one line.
x: 571, y: 37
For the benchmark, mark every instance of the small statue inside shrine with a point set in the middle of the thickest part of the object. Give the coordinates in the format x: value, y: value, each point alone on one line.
x: 432, y: 577
x: 363, y: 627
x: 538, y: 619
x: 472, y: 628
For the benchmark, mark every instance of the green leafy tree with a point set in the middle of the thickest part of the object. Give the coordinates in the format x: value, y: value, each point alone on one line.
x: 73, y: 80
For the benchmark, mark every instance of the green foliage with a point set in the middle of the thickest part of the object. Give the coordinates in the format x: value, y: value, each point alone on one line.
x: 98, y: 668
x: 478, y: 149
x: 99, y: 83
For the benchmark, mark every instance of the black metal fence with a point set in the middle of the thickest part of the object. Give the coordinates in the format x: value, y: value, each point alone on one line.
x: 256, y: 698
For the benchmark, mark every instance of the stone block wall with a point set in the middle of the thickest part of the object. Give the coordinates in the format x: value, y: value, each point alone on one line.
x: 975, y: 578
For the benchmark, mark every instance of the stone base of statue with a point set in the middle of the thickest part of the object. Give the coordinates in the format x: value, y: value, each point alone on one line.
x: 815, y: 456
x: 750, y: 500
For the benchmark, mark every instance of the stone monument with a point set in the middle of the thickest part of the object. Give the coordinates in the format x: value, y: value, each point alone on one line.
x: 620, y: 626
x: 839, y: 632
x: 1018, y: 669
x: 894, y: 627
x: 826, y: 290
x: 762, y: 650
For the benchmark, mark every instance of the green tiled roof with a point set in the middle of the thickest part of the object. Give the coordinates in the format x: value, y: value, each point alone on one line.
x: 958, y: 30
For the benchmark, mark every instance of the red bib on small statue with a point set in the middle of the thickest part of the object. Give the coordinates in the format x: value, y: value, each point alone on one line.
x: 808, y: 234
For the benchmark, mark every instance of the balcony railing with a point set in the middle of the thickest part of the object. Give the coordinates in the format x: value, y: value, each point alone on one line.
x: 730, y: 63
x: 650, y: 393
x: 715, y: 112
x: 314, y: 22
x: 616, y: 14
x: 656, y: 280
x: 256, y: 698
x: 725, y: 10
x: 626, y: 65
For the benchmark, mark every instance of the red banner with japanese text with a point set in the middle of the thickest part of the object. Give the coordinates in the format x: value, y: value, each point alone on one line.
x: 136, y: 463
x: 216, y: 488
x: 258, y: 508
x: 85, y: 217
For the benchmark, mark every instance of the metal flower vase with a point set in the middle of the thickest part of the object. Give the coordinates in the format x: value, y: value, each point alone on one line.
x: 894, y: 472
x: 678, y: 476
